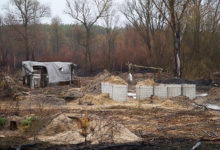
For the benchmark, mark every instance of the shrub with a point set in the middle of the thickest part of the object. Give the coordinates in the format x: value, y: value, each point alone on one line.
x: 28, y: 121
x: 2, y: 122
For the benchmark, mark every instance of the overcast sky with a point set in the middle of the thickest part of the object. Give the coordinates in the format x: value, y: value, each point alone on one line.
x: 57, y: 9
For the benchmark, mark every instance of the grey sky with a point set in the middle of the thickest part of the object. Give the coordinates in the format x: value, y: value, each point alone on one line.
x: 57, y: 9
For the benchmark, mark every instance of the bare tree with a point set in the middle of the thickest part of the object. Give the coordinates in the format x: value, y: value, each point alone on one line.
x: 110, y: 24
x: 143, y: 16
x: 87, y: 13
x: 26, y: 12
x: 1, y: 42
x: 56, y: 35
x: 4, y: 41
x: 174, y: 11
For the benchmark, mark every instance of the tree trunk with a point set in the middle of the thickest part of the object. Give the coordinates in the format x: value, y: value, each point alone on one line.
x: 88, y: 38
x: 86, y: 61
x: 149, y: 44
x: 109, y: 54
x: 90, y: 62
x: 33, y: 56
x: 4, y: 57
x: 26, y: 40
x: 177, y: 52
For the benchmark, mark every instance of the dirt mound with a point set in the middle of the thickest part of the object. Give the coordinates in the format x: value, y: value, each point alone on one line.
x: 94, y: 86
x: 214, y: 94
x: 148, y: 82
x: 116, y: 80
x: 108, y: 131
x: 63, y: 130
x: 10, y: 88
x: 90, y: 99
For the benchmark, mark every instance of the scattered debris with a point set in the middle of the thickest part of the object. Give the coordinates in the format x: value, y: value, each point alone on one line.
x: 202, y: 95
x: 213, y: 107
x: 133, y: 95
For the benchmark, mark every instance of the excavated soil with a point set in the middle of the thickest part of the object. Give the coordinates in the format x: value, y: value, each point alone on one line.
x: 94, y: 85
x: 63, y: 130
x: 116, y: 80
x: 148, y: 82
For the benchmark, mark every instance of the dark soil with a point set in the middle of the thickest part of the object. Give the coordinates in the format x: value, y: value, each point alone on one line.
x: 152, y: 144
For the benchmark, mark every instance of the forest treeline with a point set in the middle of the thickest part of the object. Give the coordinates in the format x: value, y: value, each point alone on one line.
x: 182, y: 37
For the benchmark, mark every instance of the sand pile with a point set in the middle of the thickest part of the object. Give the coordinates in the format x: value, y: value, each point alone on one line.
x: 95, y: 86
x: 148, y: 82
x: 116, y: 80
x: 107, y: 131
x: 63, y: 130
x: 90, y: 99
